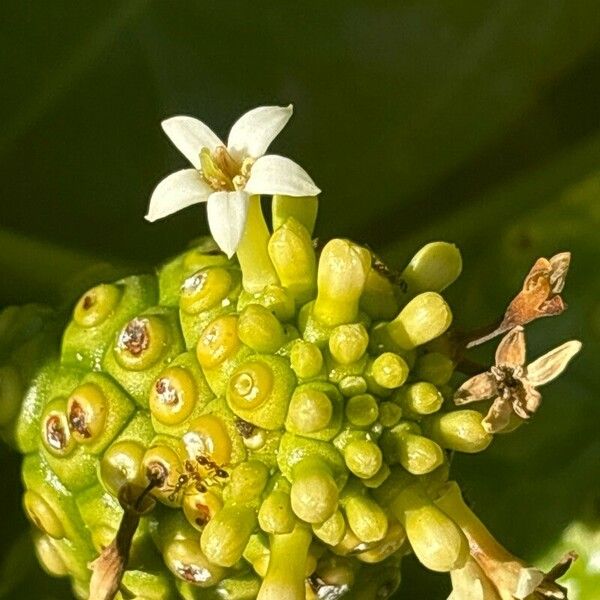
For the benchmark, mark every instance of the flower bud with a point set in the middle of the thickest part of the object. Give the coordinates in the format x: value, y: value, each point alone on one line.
x: 293, y: 257
x: 424, y: 318
x: 460, y: 430
x: 433, y: 268
x: 343, y: 270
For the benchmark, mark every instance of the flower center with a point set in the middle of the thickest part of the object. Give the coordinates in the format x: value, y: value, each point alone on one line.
x: 222, y: 172
x: 507, y: 380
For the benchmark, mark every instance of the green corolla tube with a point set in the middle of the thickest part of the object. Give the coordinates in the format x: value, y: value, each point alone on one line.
x: 285, y: 578
x: 342, y: 273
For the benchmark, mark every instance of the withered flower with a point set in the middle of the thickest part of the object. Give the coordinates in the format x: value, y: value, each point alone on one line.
x: 539, y: 297
x: 511, y: 383
x: 492, y: 572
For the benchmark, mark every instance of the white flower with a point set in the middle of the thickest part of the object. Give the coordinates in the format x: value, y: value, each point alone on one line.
x: 226, y: 176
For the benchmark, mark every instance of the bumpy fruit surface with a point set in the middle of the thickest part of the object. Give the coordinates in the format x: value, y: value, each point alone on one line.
x: 297, y: 434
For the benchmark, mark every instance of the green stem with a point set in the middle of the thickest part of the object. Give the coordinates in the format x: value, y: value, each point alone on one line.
x: 285, y: 576
x: 252, y: 253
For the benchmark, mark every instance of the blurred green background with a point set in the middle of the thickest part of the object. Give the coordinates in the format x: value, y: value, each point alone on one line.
x: 476, y: 122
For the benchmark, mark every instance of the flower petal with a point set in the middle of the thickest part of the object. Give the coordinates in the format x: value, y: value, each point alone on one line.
x: 189, y: 136
x: 511, y: 350
x: 526, y: 400
x: 551, y: 365
x: 176, y: 191
x: 254, y: 131
x: 498, y: 416
x: 480, y: 387
x: 227, y: 213
x: 273, y: 174
x: 560, y: 265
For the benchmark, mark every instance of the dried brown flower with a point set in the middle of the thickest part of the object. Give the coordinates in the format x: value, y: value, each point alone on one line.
x: 539, y: 297
x: 511, y: 383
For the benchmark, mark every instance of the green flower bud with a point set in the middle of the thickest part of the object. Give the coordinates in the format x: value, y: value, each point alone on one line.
x: 389, y: 370
x: 348, y: 343
x: 363, y: 458
x: 378, y: 478
x: 389, y: 414
x: 365, y: 517
x: 416, y: 453
x: 226, y: 535
x: 436, y: 539
x: 459, y: 430
x: 362, y: 410
x: 310, y: 410
x: 343, y: 270
x: 433, y: 268
x: 185, y: 559
x: 393, y: 540
x: 332, y: 530
x: 314, y: 493
x: 293, y: 257
x: 418, y: 399
x: 259, y: 329
x: 275, y: 514
x: 306, y: 359
x: 434, y: 367
x: 424, y: 318
x: 247, y: 482
x: 352, y: 385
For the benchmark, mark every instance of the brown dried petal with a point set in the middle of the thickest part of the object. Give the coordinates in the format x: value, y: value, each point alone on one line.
x: 511, y: 350
x: 480, y: 387
x: 498, y: 416
x: 552, y: 364
x: 543, y: 586
x: 539, y: 298
x: 527, y: 400
x: 560, y: 266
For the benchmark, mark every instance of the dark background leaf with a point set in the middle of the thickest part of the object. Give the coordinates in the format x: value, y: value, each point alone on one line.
x: 476, y: 122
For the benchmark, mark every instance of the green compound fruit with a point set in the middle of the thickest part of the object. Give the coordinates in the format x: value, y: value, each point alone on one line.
x: 294, y: 433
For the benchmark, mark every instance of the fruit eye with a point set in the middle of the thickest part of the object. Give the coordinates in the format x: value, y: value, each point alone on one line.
x: 218, y: 341
x: 205, y: 290
x: 86, y: 411
x: 173, y: 396
x: 56, y: 435
x: 95, y: 306
x: 141, y: 343
x: 250, y: 385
